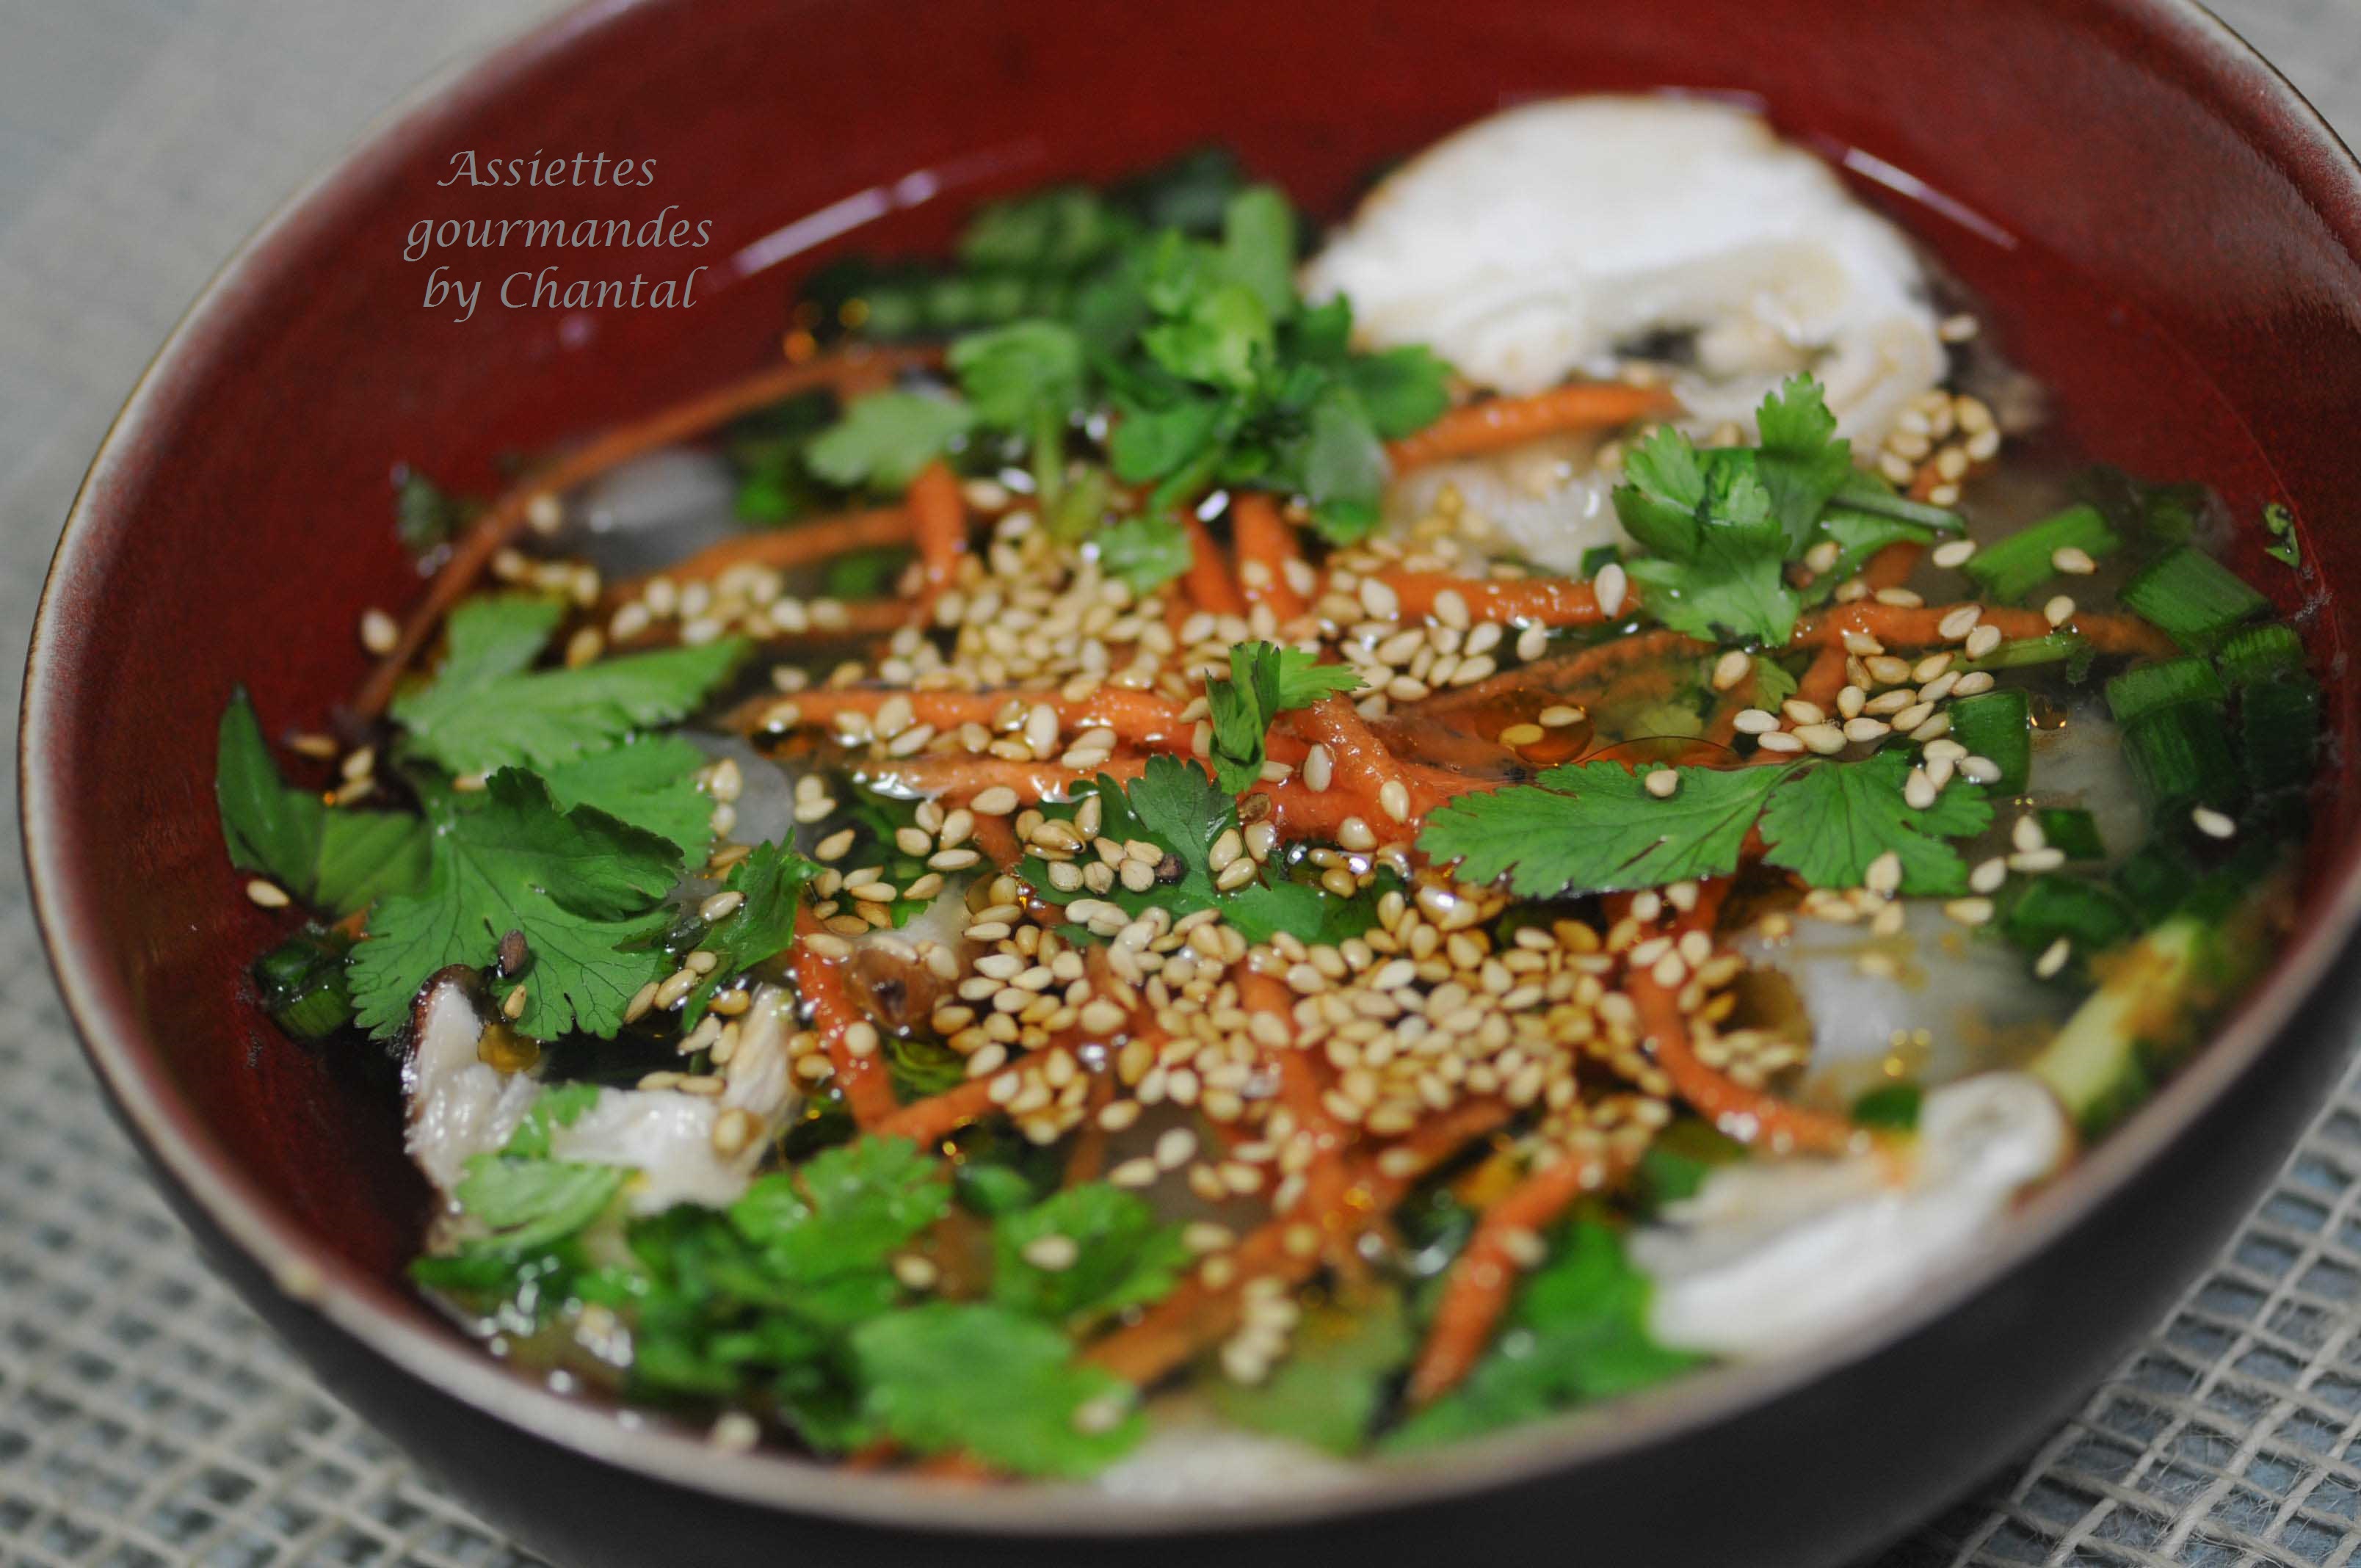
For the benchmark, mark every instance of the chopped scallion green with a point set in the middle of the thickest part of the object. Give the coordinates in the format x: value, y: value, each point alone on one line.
x: 2013, y: 567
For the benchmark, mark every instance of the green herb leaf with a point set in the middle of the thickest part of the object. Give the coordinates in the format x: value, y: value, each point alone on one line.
x: 886, y: 438
x: 849, y: 1209
x: 528, y: 1204
x: 1265, y: 681
x: 1404, y: 389
x: 994, y: 1383
x: 1827, y: 824
x: 1337, y: 1374
x: 482, y: 710
x: 650, y: 782
x: 1011, y: 374
x: 580, y: 884
x: 335, y: 861
x: 1578, y: 1332
x: 770, y: 879
x: 1145, y: 552
x: 1801, y: 461
x: 1593, y: 827
x: 1123, y: 1255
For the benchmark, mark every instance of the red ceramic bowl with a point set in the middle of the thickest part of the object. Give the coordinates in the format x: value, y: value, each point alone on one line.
x: 2167, y: 236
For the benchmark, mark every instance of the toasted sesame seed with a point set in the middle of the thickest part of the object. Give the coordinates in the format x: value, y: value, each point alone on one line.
x: 2025, y: 833
x: 1883, y: 874
x: 1754, y: 722
x: 1393, y: 798
x: 2036, y: 860
x: 2053, y: 958
x: 2058, y: 610
x: 1663, y: 783
x: 1974, y: 683
x: 1866, y: 730
x: 1988, y: 875
x: 1981, y: 640
x: 1959, y: 622
x: 1610, y: 585
x: 1954, y: 553
x: 1052, y: 1253
x: 1919, y: 790
x: 2212, y: 824
x: 1780, y: 741
x: 1731, y: 668
x: 720, y: 906
x: 1561, y: 716
x: 269, y: 895
x: 1521, y: 735
x: 1826, y: 740
x: 997, y: 801
x: 380, y: 633
x: 1970, y: 910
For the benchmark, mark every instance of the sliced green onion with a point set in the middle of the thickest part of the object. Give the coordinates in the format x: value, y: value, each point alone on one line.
x: 1867, y: 492
x: 2150, y: 687
x: 2013, y: 567
x: 2090, y: 915
x: 2191, y: 598
x: 2252, y: 655
x: 2024, y: 653
x: 1859, y: 534
x: 301, y: 983
x: 1894, y: 1105
x: 2181, y: 756
x: 2157, y: 875
x: 2279, y: 731
x: 2073, y: 831
x: 1997, y: 725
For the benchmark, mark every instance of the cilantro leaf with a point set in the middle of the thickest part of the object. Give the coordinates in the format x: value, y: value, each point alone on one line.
x: 1827, y: 824
x: 580, y: 884
x: 1177, y: 807
x: 1156, y: 441
x: 770, y: 880
x: 483, y: 709
x: 528, y: 1204
x: 1125, y: 1255
x: 1145, y: 552
x: 1265, y: 681
x: 850, y: 1208
x: 559, y: 1105
x: 1341, y: 467
x: 994, y: 1383
x: 886, y: 438
x: 1259, y: 247
x: 1801, y: 462
x: 1593, y: 827
x: 269, y: 828
x: 650, y: 782
x: 1578, y: 1332
x: 336, y: 860
x: 1725, y: 586
x: 1011, y: 374
x: 1404, y: 389
x: 1337, y: 1374
x: 1261, y: 910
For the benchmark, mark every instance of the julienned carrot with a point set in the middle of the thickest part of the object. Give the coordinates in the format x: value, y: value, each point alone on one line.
x: 1495, y: 424
x: 1135, y: 716
x: 1890, y: 567
x: 1207, y: 580
x: 779, y: 549
x: 998, y: 841
x: 938, y: 1116
x: 939, y: 518
x: 1721, y: 726
x: 1542, y: 601
x: 1570, y: 674
x: 959, y: 777
x: 505, y: 518
x: 819, y: 983
x: 1919, y: 626
x: 1483, y: 1275
x: 1176, y: 1329
x: 1748, y: 1115
x: 1267, y: 551
x: 1825, y: 678
x: 1362, y: 765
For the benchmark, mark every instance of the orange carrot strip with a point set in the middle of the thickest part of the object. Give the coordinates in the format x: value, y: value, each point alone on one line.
x: 779, y: 549
x: 1825, y: 678
x: 1208, y: 580
x: 1568, y: 674
x: 938, y: 1116
x: 938, y: 516
x: 1135, y: 716
x: 962, y: 777
x: 505, y: 518
x: 1543, y: 601
x: 1901, y: 625
x: 1483, y: 1275
x: 1748, y: 1115
x: 820, y: 981
x: 1495, y: 424
x: 1363, y: 765
x: 1172, y: 1333
x: 1267, y: 552
x: 1891, y: 566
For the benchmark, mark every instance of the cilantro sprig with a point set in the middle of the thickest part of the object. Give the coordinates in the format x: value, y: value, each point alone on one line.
x: 1594, y: 827
x: 1265, y: 681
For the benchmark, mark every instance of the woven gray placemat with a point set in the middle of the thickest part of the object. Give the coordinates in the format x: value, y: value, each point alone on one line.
x: 148, y: 1420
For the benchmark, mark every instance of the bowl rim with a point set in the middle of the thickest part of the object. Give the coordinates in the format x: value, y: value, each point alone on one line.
x: 396, y: 1328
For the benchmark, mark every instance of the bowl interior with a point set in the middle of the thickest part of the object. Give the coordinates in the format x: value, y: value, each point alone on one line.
x: 2141, y: 209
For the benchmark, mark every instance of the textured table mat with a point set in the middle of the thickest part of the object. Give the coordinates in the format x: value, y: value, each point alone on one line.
x: 148, y: 1420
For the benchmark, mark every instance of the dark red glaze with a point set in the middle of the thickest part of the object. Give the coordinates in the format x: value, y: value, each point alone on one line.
x: 2168, y: 238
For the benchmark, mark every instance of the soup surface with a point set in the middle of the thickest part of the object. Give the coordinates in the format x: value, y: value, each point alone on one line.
x: 1184, y: 852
